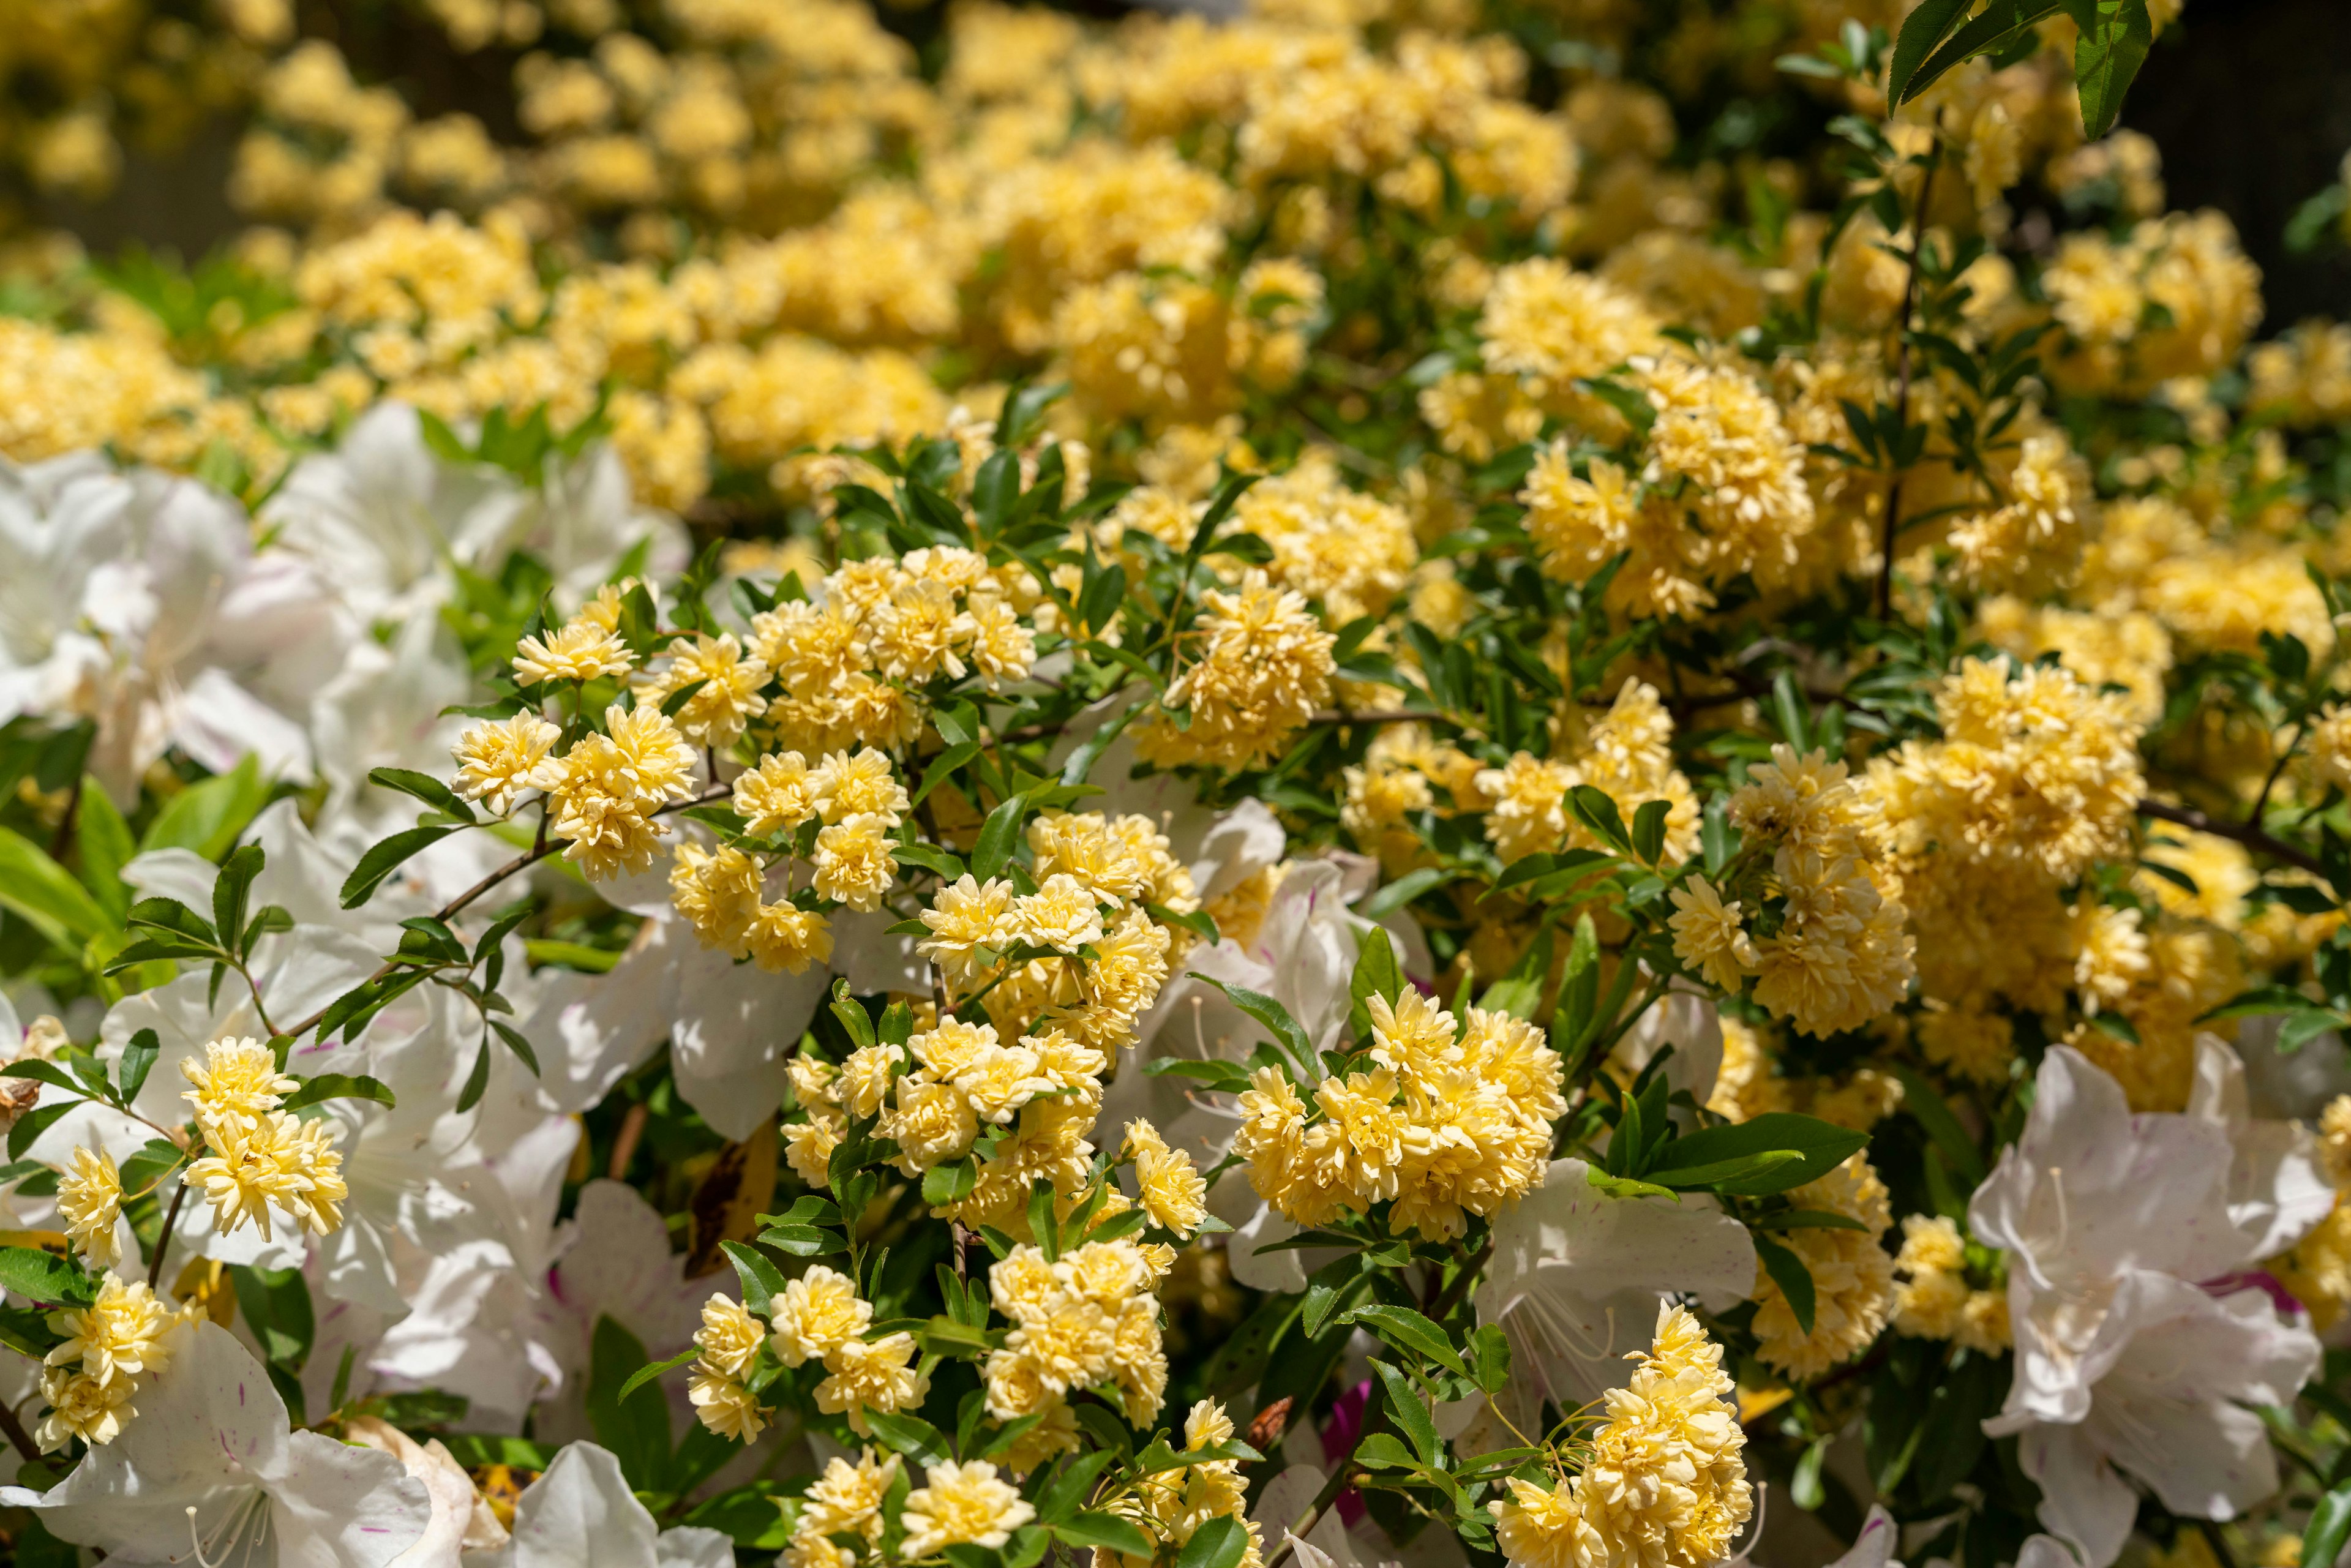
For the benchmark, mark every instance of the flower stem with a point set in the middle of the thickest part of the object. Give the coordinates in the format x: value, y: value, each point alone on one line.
x: 164, y: 1242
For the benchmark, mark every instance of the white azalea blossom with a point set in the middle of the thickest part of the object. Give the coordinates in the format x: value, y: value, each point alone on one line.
x: 210, y: 1466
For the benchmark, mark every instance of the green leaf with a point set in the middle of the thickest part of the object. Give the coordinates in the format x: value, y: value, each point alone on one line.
x: 1276, y: 1017
x: 943, y: 768
x: 1821, y: 1145
x: 628, y: 1416
x: 381, y: 860
x: 1229, y: 490
x: 31, y: 1125
x: 207, y: 817
x: 1926, y: 26
x: 1738, y: 1173
x: 1808, y: 1219
x: 999, y: 836
x: 1520, y: 992
x: 45, y: 896
x: 911, y: 1435
x: 645, y: 1375
x: 1649, y: 830
x: 477, y: 1081
x: 1997, y: 24
x: 1405, y: 1409
x: 943, y: 1184
x: 1597, y: 809
x: 1059, y: 1498
x: 339, y: 1086
x: 424, y: 788
x: 138, y: 1060
x: 1229, y: 1077
x: 1103, y: 1530
x: 44, y: 1277
x: 2115, y: 35
x: 1934, y: 1113
x: 1394, y: 896
x: 1625, y: 1186
x: 105, y: 845
x: 1218, y: 1542
x: 231, y: 891
x: 2330, y: 1527
x: 1408, y: 1330
x: 1788, y: 1272
x: 1375, y: 975
x: 762, y: 1281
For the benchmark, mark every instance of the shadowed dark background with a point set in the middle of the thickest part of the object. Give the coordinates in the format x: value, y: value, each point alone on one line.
x: 2251, y: 102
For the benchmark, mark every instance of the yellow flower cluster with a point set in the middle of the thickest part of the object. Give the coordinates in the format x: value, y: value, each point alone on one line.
x: 1933, y: 1298
x: 1257, y: 667
x: 1172, y: 1505
x: 1664, y: 1483
x: 1089, y: 1319
x: 845, y: 1499
x: 1719, y: 492
x: 729, y: 1340
x: 1628, y: 753
x: 1447, y: 1120
x: 1824, y: 942
x: 817, y: 1317
x: 110, y: 1347
x: 258, y: 1156
x: 852, y: 665
x: 1853, y: 1277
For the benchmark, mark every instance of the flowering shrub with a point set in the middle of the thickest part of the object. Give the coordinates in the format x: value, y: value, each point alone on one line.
x: 1329, y: 787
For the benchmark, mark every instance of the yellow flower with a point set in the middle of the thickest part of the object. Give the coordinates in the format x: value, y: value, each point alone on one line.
x: 846, y: 1499
x: 497, y: 757
x: 94, y: 1409
x: 871, y: 1374
x: 853, y: 861
x: 729, y: 1338
x: 1853, y: 1277
x: 783, y: 939
x: 728, y: 690
x: 122, y: 1333
x: 237, y: 1084
x: 725, y: 1405
x: 1174, y: 1194
x: 1259, y: 670
x: 580, y: 649
x: 817, y: 1312
x: 780, y: 793
x: 962, y: 1504
x: 864, y: 785
x: 90, y: 1200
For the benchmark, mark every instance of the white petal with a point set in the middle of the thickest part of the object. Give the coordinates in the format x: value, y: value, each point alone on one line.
x: 2082, y: 1499
x: 580, y: 1514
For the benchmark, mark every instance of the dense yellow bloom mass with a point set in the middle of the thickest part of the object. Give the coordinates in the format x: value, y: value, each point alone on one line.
x: 1445, y: 1122
x: 1853, y: 1277
x: 1665, y: 1483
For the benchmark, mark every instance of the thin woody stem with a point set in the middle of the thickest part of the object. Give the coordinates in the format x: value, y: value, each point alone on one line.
x: 1903, y: 367
x: 521, y: 863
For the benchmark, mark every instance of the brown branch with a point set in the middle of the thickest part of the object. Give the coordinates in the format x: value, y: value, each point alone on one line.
x: 18, y: 1438
x: 2245, y: 833
x: 1903, y: 367
x: 539, y: 851
x: 1296, y: 1528
x: 164, y: 1242
x: 624, y: 1142
x: 1461, y: 1282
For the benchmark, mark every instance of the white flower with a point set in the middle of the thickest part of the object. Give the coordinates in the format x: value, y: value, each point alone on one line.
x: 388, y: 517
x: 582, y: 1514
x: 2134, y: 1355
x: 2087, y: 1197
x: 1576, y: 1277
x: 209, y: 1463
x: 2168, y: 1410
x: 136, y: 600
